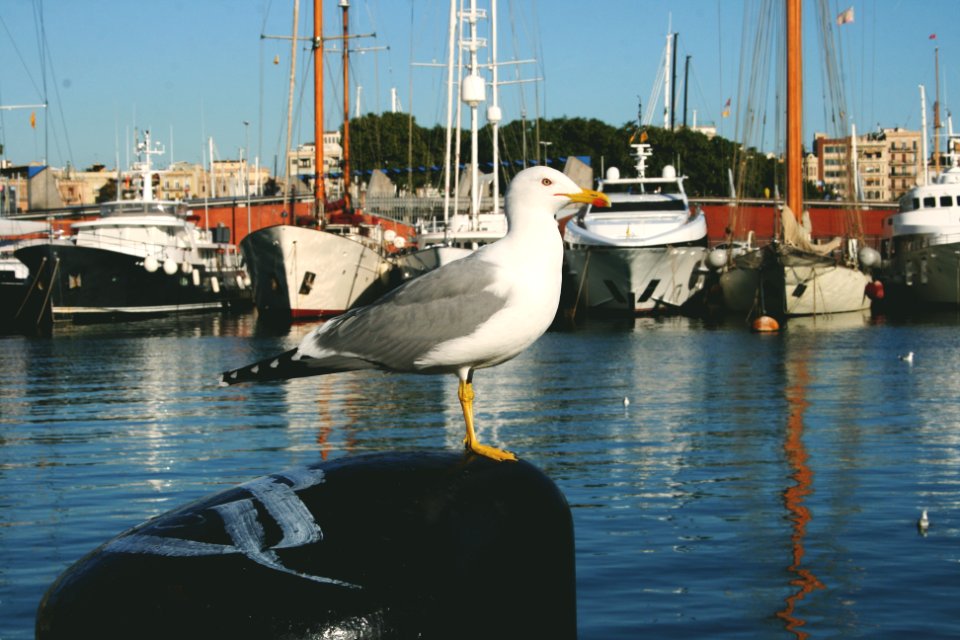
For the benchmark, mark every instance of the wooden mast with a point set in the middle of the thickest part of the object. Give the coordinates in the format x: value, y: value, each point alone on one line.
x: 319, y: 188
x: 794, y: 195
x: 345, y: 5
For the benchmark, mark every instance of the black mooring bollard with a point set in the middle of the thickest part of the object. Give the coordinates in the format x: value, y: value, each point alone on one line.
x: 398, y: 545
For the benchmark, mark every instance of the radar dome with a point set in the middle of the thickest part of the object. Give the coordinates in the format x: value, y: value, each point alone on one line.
x: 613, y: 173
x: 669, y: 172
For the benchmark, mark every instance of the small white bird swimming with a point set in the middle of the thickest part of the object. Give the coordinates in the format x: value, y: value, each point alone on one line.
x: 474, y: 313
x: 924, y: 522
x: 626, y: 401
x: 908, y: 357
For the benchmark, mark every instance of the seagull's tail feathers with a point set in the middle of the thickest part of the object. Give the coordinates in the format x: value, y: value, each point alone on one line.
x: 287, y: 365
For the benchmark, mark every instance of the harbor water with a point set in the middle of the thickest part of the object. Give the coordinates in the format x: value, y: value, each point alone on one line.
x: 754, y: 486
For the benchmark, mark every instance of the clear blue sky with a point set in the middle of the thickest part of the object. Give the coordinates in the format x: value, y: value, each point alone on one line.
x: 193, y: 69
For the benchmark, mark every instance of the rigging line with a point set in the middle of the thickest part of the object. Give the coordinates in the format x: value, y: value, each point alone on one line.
x: 16, y: 49
x: 56, y: 89
x: 720, y: 61
x: 409, y: 108
x: 516, y: 48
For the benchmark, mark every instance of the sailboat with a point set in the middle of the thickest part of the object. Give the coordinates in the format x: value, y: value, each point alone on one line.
x: 792, y: 275
x: 340, y: 259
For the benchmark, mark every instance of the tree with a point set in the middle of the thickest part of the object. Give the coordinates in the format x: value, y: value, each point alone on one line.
x: 412, y: 156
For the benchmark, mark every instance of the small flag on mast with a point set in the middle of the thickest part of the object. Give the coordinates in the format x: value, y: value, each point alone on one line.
x: 726, y: 109
x: 933, y: 36
x: 33, y: 119
x: 845, y: 16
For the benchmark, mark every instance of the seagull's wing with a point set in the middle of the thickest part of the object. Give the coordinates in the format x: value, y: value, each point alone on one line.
x: 394, y: 331
x: 399, y: 328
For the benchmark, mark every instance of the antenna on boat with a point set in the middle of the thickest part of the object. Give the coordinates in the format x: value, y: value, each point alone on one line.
x: 923, y: 140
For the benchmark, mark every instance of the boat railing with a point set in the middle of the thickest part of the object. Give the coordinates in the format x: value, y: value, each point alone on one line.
x: 411, y: 210
x: 942, y: 238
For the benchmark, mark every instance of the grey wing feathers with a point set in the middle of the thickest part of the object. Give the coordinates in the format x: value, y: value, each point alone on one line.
x: 402, y: 326
x: 283, y: 367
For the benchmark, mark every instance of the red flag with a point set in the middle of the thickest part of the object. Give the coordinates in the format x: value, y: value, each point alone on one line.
x: 933, y: 36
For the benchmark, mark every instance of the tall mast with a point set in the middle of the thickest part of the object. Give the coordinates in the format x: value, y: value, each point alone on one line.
x: 667, y: 124
x: 319, y: 186
x: 794, y: 196
x: 448, y: 162
x: 494, y: 114
x: 293, y: 78
x: 473, y: 92
x: 937, y: 125
x: 923, y: 138
x: 673, y: 85
x: 345, y: 5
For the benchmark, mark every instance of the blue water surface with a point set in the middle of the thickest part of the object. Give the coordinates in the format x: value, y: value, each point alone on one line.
x: 754, y: 485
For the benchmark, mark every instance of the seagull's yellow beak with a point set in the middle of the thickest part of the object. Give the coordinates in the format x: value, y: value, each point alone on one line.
x: 589, y: 196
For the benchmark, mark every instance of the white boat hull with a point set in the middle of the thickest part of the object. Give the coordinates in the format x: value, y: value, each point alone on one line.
x: 636, y: 279
x: 811, y: 285
x: 303, y: 273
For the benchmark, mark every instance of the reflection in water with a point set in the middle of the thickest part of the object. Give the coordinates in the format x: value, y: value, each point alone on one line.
x: 794, y: 495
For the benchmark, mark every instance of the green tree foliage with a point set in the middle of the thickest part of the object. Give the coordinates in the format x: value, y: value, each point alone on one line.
x: 413, y: 155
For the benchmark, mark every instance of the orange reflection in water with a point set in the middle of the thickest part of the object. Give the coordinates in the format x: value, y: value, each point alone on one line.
x: 794, y: 496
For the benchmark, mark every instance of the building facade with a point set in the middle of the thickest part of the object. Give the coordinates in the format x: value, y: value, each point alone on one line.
x: 889, y: 163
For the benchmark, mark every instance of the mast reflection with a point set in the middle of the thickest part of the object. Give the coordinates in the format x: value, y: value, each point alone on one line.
x: 794, y: 495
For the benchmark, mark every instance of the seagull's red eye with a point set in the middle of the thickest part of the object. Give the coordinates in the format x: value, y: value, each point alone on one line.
x: 546, y: 182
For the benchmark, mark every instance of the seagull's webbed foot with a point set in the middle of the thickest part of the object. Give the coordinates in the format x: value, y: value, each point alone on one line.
x: 470, y: 442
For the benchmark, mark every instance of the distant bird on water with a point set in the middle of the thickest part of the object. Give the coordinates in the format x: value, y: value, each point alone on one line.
x: 923, y: 523
x: 470, y: 314
x: 907, y: 357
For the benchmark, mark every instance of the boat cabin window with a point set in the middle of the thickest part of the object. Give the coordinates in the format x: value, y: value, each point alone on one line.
x: 929, y: 202
x: 946, y: 201
x: 916, y: 204
x: 634, y: 188
x: 659, y: 205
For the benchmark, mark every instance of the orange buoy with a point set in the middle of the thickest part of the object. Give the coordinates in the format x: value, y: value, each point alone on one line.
x: 766, y: 324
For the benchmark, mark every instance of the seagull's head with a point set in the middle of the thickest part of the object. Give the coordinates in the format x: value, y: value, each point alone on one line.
x: 547, y: 190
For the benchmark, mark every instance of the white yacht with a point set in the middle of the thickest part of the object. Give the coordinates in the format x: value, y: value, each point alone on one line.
x: 922, y: 240
x: 643, y: 254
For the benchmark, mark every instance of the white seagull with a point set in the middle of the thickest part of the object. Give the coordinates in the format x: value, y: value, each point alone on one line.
x: 474, y: 313
x: 924, y: 522
x: 908, y: 358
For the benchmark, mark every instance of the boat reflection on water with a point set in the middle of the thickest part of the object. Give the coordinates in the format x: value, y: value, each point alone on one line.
x: 793, y: 497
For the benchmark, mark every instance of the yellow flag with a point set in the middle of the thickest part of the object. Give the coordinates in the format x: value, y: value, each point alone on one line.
x: 33, y: 119
x: 643, y: 136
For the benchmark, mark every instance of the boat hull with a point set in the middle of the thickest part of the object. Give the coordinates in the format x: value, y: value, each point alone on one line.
x: 792, y: 283
x: 92, y: 284
x: 301, y: 273
x: 928, y: 274
x: 637, y: 280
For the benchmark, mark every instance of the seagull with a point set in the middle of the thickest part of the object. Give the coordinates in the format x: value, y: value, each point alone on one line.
x: 474, y: 313
x: 924, y: 522
x: 626, y: 401
x: 908, y: 358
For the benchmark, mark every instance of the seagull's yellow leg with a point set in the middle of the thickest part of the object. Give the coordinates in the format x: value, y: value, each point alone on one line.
x: 465, y: 393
